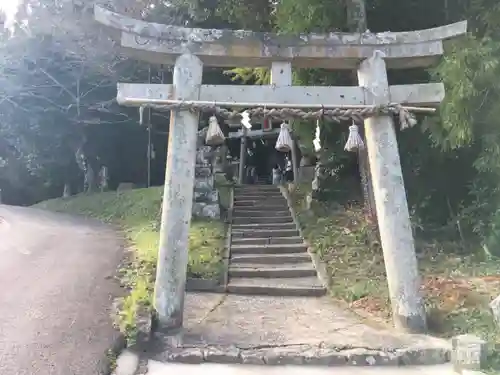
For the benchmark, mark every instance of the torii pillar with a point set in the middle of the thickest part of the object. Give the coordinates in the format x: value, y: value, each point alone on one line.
x: 371, y: 54
x: 390, y: 202
x: 178, y: 197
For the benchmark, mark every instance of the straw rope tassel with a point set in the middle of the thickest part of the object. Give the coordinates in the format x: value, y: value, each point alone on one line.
x: 245, y: 120
x: 215, y: 136
x: 284, y: 143
x: 406, y: 119
x: 317, y: 141
x: 354, y: 141
x: 141, y: 115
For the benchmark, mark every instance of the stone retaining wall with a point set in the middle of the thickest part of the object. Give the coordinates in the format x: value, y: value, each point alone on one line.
x: 206, y: 196
x: 307, y: 355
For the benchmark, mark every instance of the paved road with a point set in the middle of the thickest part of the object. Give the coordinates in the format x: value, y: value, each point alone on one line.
x: 56, y: 290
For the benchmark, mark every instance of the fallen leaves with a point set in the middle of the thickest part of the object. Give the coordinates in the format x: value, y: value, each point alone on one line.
x: 372, y: 305
x: 449, y: 294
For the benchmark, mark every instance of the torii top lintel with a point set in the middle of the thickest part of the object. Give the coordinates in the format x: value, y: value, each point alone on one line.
x: 162, y: 44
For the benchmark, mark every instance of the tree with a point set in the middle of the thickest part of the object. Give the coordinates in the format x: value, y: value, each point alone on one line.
x: 464, y: 139
x: 56, y: 83
x: 60, y: 68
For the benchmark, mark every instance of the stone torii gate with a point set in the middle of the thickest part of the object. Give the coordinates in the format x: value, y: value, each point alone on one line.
x: 371, y: 54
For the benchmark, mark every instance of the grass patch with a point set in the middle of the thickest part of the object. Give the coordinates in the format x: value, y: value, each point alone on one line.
x: 457, y: 288
x: 137, y: 213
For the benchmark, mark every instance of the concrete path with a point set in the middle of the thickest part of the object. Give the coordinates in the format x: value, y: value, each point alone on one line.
x: 56, y: 289
x: 260, y: 321
x: 258, y: 330
x: 157, y: 368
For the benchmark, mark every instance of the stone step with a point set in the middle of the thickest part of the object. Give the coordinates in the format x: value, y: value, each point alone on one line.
x: 262, y: 220
x: 244, y: 213
x: 264, y: 207
x: 260, y: 202
x: 287, y: 271
x: 264, y: 233
x: 256, y: 188
x: 288, y: 361
x: 301, y: 286
x: 267, y: 241
x: 278, y: 202
x: 259, y: 198
x: 268, y: 249
x: 293, y: 258
x: 251, y: 195
x: 261, y: 226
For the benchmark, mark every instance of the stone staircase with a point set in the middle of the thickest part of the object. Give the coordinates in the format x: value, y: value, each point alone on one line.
x: 268, y: 255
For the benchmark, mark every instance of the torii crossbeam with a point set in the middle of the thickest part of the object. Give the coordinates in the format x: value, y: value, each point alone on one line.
x: 161, y: 44
x: 371, y: 54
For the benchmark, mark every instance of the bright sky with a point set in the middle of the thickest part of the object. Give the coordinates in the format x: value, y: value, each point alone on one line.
x: 9, y: 8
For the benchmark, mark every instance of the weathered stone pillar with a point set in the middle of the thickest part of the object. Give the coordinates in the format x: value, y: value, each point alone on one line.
x: 390, y: 201
x: 468, y: 352
x: 177, y: 197
x: 243, y: 156
x: 295, y: 162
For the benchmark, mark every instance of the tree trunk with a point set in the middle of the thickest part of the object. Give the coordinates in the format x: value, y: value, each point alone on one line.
x: 67, y: 190
x: 357, y: 22
x: 89, y: 179
x: 356, y: 16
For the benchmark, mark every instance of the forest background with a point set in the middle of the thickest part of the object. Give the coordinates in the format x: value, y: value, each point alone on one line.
x: 58, y: 83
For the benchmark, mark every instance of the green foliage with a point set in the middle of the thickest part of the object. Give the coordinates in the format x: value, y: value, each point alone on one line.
x: 457, y: 288
x: 450, y: 162
x: 237, y: 13
x: 463, y: 140
x: 58, y: 77
x: 300, y: 16
x: 257, y: 76
x: 345, y: 242
x: 468, y: 71
x: 37, y: 144
x: 469, y: 114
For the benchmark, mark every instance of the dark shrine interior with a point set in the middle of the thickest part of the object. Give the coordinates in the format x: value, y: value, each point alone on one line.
x: 262, y: 154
